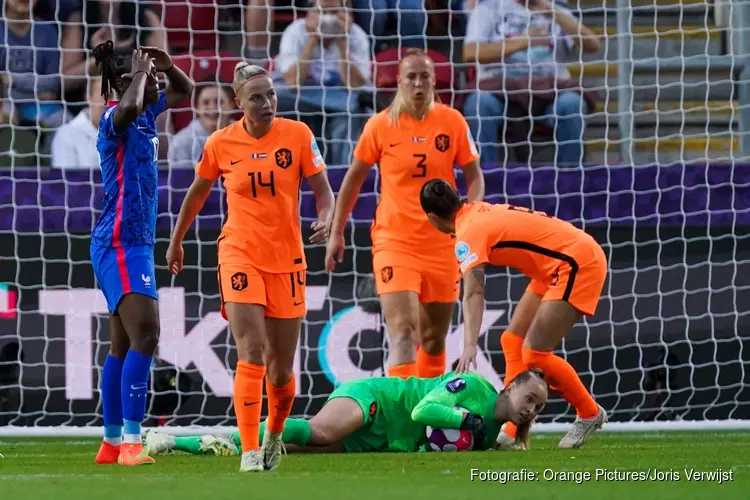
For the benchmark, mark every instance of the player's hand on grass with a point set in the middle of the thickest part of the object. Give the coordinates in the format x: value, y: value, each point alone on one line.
x: 320, y: 232
x: 175, y: 254
x: 475, y: 424
x: 162, y: 61
x: 468, y: 359
x: 334, y: 251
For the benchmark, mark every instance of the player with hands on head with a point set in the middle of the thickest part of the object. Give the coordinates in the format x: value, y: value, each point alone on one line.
x: 122, y: 242
x: 417, y: 279
x: 262, y: 160
x: 392, y: 414
x: 567, y: 268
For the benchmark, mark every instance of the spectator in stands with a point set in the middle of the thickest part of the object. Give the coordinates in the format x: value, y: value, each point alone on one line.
x: 131, y: 24
x: 29, y: 55
x: 323, y: 61
x: 410, y: 15
x: 214, y: 106
x: 520, y: 46
x: 74, y: 144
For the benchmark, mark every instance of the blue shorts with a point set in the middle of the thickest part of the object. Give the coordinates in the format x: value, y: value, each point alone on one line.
x: 124, y: 270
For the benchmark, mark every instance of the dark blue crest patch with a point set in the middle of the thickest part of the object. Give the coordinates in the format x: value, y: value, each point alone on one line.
x: 456, y: 385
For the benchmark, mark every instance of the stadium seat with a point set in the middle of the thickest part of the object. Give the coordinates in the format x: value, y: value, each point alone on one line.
x: 385, y: 72
x: 200, y: 66
x: 193, y: 21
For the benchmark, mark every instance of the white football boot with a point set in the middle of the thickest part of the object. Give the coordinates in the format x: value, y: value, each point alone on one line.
x: 251, y: 461
x: 272, y: 449
x: 221, y: 446
x: 158, y: 443
x: 583, y: 429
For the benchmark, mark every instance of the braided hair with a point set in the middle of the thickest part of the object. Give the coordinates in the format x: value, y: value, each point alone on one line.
x: 113, y: 65
x: 439, y: 198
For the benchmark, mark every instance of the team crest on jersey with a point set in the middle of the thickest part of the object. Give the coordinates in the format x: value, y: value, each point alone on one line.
x: 456, y: 385
x: 386, y: 274
x: 283, y: 158
x: 239, y: 281
x: 442, y: 143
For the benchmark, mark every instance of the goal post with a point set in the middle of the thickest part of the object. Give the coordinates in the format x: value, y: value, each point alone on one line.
x: 668, y: 348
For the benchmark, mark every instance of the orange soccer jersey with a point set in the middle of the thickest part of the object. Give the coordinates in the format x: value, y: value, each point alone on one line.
x: 409, y: 154
x: 563, y: 262
x: 262, y: 180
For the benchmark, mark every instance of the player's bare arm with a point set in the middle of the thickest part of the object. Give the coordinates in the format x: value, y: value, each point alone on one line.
x: 194, y: 200
x: 324, y: 202
x: 350, y: 188
x: 473, y: 307
x: 133, y: 100
x: 179, y: 85
x: 474, y: 180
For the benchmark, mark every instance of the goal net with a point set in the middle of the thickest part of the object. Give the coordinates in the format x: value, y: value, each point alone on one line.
x: 663, y: 188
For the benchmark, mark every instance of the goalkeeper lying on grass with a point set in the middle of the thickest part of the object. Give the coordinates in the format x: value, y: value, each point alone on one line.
x: 391, y: 414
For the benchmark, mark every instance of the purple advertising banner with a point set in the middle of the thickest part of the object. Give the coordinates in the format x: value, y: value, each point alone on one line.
x: 36, y: 200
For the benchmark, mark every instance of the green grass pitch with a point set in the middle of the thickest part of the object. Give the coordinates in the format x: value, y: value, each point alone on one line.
x: 63, y: 469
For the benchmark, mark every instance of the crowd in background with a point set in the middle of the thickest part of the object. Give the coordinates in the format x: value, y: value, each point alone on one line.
x: 325, y: 66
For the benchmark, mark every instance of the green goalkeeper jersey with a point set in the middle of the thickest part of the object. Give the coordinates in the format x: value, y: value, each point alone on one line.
x: 400, y: 410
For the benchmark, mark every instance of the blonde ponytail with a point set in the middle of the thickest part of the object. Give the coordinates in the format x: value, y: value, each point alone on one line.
x: 394, y: 110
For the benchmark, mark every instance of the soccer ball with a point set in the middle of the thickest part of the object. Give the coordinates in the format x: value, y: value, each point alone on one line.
x: 449, y: 439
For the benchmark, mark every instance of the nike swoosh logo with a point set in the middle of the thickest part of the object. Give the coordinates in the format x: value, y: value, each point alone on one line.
x: 299, y: 303
x: 395, y: 144
x: 235, y: 162
x: 251, y: 404
x: 137, y: 388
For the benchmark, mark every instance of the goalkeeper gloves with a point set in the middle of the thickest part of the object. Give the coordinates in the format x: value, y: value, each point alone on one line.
x: 475, y: 424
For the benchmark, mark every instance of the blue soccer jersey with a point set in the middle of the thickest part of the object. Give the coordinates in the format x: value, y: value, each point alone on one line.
x: 129, y: 172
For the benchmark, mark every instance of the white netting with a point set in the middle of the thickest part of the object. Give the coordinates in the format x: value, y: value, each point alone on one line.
x: 670, y: 338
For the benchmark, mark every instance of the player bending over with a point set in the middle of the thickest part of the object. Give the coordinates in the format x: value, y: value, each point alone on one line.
x: 417, y: 277
x: 122, y: 242
x: 391, y: 414
x: 261, y: 160
x: 567, y: 268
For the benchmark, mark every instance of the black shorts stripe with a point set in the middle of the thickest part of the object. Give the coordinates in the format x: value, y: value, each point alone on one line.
x: 530, y: 247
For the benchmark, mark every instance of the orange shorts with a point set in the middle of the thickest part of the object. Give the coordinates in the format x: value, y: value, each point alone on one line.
x: 580, y: 284
x: 283, y: 295
x: 434, y: 280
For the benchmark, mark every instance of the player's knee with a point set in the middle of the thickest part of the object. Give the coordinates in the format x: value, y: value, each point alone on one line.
x: 433, y: 343
x: 402, y: 343
x: 251, y: 352
x: 147, y: 337
x: 278, y: 376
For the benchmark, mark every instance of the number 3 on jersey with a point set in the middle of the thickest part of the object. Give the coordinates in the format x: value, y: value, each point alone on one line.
x: 421, y: 165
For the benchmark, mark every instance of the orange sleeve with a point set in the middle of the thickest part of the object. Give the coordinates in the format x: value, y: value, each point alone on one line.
x: 208, y: 164
x: 312, y: 162
x: 466, y: 151
x: 368, y: 147
x: 471, y: 249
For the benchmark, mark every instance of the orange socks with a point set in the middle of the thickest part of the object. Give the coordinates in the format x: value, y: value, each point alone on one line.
x: 512, y: 345
x: 564, y: 379
x: 429, y: 366
x: 403, y: 371
x: 248, y: 401
x: 280, y: 401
